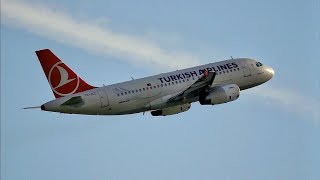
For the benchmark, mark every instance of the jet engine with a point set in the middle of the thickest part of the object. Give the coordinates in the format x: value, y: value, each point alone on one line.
x: 219, y: 94
x: 171, y: 110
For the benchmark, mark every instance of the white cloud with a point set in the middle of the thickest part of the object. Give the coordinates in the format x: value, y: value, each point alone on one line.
x: 289, y: 99
x: 91, y: 37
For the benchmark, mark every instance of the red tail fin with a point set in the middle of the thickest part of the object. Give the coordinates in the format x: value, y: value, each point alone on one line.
x: 62, y: 79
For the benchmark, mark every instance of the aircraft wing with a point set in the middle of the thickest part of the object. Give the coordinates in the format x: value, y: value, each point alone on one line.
x: 193, y: 90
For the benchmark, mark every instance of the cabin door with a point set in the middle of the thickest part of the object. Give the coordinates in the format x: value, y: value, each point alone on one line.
x: 103, y: 97
x: 246, y: 70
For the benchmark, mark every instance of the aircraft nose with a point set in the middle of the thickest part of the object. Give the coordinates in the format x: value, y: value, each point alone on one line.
x: 269, y: 71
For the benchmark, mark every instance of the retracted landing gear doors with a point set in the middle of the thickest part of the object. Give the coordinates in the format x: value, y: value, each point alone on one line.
x: 104, y: 99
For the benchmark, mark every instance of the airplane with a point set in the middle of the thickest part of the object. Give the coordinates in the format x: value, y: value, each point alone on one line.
x: 163, y: 94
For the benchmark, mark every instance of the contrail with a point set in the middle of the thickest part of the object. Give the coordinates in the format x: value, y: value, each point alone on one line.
x: 289, y: 99
x: 64, y: 28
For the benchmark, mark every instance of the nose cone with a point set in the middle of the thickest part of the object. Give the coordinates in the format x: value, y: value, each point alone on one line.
x: 269, y: 72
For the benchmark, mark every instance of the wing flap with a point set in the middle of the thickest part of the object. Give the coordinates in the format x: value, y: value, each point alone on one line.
x: 203, y: 82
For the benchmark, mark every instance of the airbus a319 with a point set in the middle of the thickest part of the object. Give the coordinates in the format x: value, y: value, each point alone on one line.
x: 163, y: 94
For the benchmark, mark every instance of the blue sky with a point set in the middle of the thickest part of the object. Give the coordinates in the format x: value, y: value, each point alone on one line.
x: 270, y: 132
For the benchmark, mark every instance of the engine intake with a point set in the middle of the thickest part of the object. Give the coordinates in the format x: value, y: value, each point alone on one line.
x: 219, y: 94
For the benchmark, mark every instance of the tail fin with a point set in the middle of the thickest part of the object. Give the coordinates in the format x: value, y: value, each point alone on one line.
x: 62, y: 79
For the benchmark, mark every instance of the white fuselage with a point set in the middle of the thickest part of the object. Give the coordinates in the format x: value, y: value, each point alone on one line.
x: 139, y: 95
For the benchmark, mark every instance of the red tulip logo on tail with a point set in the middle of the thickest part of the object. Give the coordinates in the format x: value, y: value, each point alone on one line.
x: 60, y: 81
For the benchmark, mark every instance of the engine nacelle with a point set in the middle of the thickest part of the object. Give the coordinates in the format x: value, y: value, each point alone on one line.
x: 171, y: 110
x: 220, y: 94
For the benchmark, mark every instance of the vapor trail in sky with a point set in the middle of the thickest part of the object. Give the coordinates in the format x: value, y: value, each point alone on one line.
x: 62, y: 27
x: 91, y: 37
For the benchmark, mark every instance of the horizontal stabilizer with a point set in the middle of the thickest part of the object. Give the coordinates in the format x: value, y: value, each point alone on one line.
x: 77, y: 100
x: 34, y: 107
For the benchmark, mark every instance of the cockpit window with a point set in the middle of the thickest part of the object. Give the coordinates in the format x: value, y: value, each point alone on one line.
x: 258, y: 64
